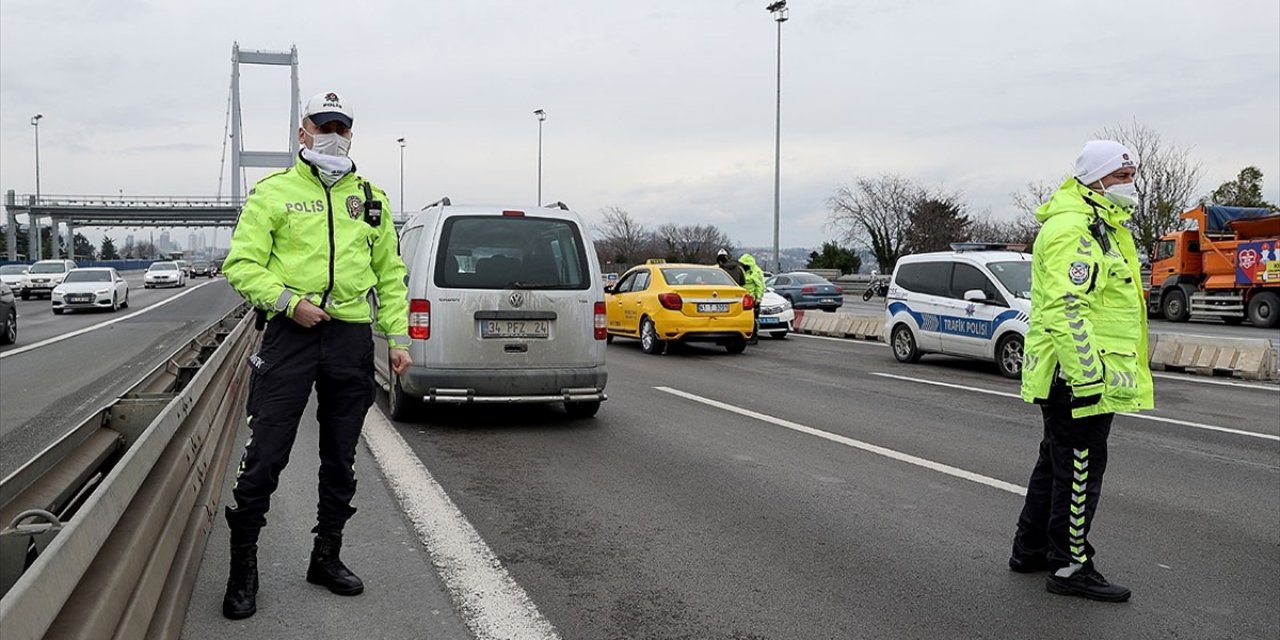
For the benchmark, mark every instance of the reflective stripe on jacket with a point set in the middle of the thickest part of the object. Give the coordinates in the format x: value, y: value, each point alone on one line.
x: 297, y: 238
x: 1088, y: 315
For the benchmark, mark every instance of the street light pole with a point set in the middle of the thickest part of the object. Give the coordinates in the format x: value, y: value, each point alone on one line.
x: 779, y: 11
x: 542, y: 116
x: 401, y: 141
x: 33, y: 223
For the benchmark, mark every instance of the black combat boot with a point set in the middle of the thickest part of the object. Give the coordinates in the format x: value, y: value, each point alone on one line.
x: 241, y: 600
x: 1086, y: 582
x: 327, y: 569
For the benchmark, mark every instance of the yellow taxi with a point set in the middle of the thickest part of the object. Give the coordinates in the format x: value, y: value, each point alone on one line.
x: 660, y: 303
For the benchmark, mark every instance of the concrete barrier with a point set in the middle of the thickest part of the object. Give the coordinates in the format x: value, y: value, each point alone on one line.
x: 1248, y: 358
x: 840, y: 325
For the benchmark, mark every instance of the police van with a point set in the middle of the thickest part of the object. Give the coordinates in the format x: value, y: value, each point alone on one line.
x: 506, y: 306
x: 973, y: 302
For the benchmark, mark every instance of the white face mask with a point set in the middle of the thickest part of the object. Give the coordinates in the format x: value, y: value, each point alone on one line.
x: 329, y: 144
x: 1124, y: 194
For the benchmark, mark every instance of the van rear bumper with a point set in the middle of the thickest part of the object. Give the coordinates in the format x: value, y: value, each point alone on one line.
x: 579, y: 384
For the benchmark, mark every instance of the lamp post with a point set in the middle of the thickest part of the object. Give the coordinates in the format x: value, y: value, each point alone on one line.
x: 779, y: 11
x: 401, y: 141
x: 542, y: 116
x: 32, y: 222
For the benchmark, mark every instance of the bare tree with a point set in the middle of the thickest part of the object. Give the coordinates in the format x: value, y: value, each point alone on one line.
x: 1033, y: 195
x: 622, y: 239
x: 1021, y: 230
x: 1166, y: 181
x: 691, y: 243
x: 875, y: 213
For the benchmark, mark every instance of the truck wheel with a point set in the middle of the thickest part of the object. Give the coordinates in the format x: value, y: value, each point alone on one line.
x: 1174, y: 306
x: 1264, y: 310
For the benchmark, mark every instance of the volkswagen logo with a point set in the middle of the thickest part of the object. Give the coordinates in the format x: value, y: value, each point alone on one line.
x: 517, y: 299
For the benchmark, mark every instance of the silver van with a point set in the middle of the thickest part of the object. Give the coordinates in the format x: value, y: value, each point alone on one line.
x: 505, y: 306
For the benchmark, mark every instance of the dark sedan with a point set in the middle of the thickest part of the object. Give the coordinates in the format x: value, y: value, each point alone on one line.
x: 807, y: 291
x: 8, y: 316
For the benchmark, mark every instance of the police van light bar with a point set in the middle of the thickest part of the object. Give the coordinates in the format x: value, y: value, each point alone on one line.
x: 987, y: 246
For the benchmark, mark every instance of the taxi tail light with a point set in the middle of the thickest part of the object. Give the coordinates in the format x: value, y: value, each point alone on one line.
x: 811, y: 289
x: 420, y: 319
x: 601, y: 325
x: 670, y: 301
x: 748, y: 302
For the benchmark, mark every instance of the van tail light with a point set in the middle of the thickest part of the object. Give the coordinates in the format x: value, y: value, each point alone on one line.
x: 670, y: 301
x: 810, y: 290
x: 512, y: 213
x: 748, y: 302
x: 601, y: 325
x: 420, y: 319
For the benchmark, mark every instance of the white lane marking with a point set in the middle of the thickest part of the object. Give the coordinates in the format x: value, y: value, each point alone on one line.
x: 869, y: 343
x: 79, y: 332
x: 850, y: 442
x: 1221, y: 383
x: 490, y: 602
x: 1140, y: 416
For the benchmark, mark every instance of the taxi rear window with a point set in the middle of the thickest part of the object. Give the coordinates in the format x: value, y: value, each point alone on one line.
x: 677, y: 276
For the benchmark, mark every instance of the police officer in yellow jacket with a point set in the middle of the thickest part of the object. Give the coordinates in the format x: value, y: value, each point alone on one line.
x: 311, y: 244
x: 1085, y: 360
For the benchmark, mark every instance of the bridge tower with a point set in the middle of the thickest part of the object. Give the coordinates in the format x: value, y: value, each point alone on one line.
x: 260, y: 159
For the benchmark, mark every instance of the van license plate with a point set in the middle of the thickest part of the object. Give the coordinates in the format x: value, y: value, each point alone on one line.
x: 514, y: 328
x: 705, y: 307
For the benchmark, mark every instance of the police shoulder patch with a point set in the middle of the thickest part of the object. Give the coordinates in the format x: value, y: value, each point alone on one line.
x: 1079, y: 272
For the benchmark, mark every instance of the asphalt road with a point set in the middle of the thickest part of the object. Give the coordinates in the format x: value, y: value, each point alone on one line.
x: 47, y: 390
x: 671, y: 516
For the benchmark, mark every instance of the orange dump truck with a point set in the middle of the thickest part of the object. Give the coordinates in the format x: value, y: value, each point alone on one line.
x: 1226, y: 267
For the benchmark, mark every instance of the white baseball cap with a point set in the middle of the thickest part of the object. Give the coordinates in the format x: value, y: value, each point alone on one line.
x: 327, y: 107
x: 1099, y: 158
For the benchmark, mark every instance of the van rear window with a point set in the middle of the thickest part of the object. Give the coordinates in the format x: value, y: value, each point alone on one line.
x: 490, y: 252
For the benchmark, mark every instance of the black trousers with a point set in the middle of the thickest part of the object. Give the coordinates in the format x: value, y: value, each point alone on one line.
x: 335, y: 357
x: 1066, y: 483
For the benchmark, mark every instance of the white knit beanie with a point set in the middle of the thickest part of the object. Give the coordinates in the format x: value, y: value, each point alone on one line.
x: 1099, y: 158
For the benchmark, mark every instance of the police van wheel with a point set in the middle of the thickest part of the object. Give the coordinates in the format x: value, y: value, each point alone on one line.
x: 403, y: 407
x: 904, y: 344
x: 1009, y: 356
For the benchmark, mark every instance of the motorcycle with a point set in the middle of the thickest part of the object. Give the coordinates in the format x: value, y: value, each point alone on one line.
x: 877, y: 287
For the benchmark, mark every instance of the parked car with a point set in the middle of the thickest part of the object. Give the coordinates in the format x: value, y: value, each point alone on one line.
x: 13, y: 275
x: 201, y: 269
x: 660, y: 303
x: 776, y: 316
x: 44, y: 276
x: 9, y: 314
x: 807, y: 291
x: 969, y: 303
x: 505, y: 306
x: 91, y: 288
x: 164, y: 274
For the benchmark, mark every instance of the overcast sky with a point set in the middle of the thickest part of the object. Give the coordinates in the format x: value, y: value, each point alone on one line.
x: 663, y: 109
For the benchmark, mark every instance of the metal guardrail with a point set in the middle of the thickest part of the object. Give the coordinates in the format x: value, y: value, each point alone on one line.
x: 104, y: 530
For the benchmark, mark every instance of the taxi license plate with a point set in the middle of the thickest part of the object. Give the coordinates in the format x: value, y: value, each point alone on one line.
x: 515, y: 328
x: 709, y: 307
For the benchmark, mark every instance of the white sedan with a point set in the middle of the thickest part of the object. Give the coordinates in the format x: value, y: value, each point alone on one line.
x: 91, y: 288
x: 776, y: 315
x: 164, y: 274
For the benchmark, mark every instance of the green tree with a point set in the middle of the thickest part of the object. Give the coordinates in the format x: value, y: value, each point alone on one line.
x: 108, y: 250
x: 935, y: 223
x: 83, y: 248
x: 1244, y: 191
x: 834, y: 256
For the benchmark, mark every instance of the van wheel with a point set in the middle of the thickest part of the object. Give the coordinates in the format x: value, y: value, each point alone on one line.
x: 579, y: 410
x: 403, y: 407
x: 904, y: 344
x: 608, y: 338
x: 1264, y: 310
x: 649, y: 341
x: 1174, y: 306
x: 1009, y: 356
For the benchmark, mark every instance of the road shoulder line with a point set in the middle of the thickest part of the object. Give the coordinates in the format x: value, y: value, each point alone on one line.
x: 489, y: 601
